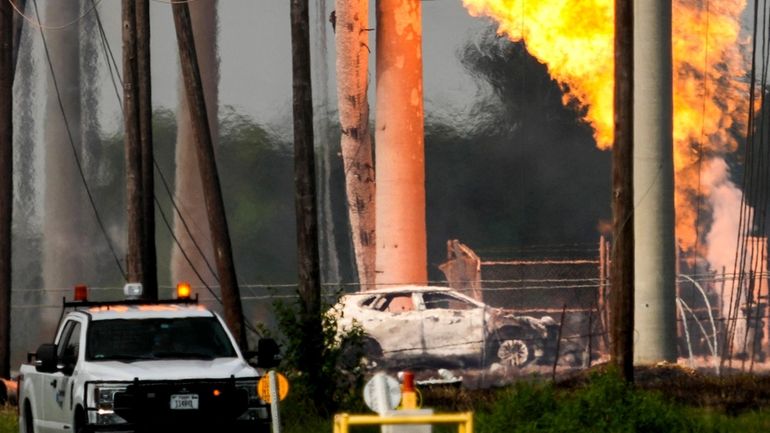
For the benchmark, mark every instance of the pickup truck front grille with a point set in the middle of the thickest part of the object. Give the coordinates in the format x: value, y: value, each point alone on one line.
x: 179, y: 403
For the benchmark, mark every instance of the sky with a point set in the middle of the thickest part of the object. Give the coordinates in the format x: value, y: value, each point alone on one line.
x: 255, y: 55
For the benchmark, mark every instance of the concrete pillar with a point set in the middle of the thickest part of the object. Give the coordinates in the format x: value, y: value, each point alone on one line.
x: 655, y: 320
x: 399, y: 140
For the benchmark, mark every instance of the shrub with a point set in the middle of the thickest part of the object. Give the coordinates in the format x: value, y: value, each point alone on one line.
x: 340, y: 379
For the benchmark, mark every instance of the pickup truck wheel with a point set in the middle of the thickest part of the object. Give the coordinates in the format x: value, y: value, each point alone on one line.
x: 29, y: 422
x: 80, y: 421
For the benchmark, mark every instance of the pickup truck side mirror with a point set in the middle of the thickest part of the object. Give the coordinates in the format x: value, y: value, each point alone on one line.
x: 45, y: 358
x: 268, y: 353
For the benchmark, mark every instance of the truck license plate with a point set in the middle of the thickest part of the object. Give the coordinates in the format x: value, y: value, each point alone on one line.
x: 184, y: 401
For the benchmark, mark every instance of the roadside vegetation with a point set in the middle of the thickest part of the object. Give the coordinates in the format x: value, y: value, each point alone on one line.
x: 602, y: 404
x: 9, y: 422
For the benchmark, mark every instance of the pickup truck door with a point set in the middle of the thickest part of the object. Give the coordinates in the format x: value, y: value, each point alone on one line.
x: 57, y: 387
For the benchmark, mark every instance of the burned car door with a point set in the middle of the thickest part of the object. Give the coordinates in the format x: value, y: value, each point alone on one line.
x: 453, y: 326
x: 395, y: 324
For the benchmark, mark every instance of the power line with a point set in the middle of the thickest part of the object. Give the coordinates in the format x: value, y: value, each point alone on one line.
x: 109, y: 55
x: 37, y: 24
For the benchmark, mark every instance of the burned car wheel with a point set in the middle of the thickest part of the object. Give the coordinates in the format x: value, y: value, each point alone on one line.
x: 514, y: 352
x: 366, y: 353
x: 372, y: 353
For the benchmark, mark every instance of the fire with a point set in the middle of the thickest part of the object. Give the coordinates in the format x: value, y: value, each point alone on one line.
x: 575, y: 40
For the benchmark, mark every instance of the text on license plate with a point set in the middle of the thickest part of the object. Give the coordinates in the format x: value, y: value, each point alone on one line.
x: 184, y: 401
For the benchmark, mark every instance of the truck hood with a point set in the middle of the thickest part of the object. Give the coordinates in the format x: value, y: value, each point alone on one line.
x: 172, y: 369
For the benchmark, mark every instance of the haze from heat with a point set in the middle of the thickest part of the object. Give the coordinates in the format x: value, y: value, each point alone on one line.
x: 575, y: 41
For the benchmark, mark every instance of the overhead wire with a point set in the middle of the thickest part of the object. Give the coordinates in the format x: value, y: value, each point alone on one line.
x: 755, y: 167
x: 109, y: 55
x: 36, y: 23
x: 737, y: 282
x: 174, y: 2
x: 699, y: 144
x: 71, y: 140
x: 759, y: 248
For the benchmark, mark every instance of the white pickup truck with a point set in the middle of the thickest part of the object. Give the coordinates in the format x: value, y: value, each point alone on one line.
x: 139, y: 366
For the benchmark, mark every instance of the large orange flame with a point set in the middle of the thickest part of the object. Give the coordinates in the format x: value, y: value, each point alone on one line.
x: 575, y: 40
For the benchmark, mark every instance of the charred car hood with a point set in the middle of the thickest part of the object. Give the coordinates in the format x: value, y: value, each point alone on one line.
x: 499, y: 317
x: 219, y: 368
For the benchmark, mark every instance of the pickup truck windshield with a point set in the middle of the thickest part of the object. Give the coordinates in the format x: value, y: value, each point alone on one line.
x: 151, y: 339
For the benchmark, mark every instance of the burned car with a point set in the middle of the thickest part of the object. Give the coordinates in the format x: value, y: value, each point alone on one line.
x: 428, y: 325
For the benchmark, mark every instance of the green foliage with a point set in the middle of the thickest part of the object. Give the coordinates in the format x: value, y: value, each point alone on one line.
x: 340, y: 376
x: 9, y: 421
x: 606, y: 404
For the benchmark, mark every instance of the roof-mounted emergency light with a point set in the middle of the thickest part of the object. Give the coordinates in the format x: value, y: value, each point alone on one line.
x: 133, y: 290
x: 81, y: 293
x: 183, y: 291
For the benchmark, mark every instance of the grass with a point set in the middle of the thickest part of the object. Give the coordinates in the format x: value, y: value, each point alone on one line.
x: 9, y: 422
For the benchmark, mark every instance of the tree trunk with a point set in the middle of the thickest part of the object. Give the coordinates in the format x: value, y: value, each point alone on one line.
x: 352, y: 43
x: 305, y: 199
x: 6, y: 183
x: 401, y: 240
x: 189, y: 190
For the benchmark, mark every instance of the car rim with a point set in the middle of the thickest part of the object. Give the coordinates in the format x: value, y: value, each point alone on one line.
x: 514, y: 352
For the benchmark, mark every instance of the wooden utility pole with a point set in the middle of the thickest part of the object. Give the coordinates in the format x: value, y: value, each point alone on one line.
x: 305, y: 196
x: 622, y: 267
x: 6, y: 182
x: 144, y: 72
x: 134, y: 258
x: 207, y: 165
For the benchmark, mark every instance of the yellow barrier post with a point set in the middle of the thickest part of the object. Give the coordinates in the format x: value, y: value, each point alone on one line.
x: 463, y: 420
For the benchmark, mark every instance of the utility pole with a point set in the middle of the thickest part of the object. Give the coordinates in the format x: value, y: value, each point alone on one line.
x: 6, y: 182
x: 149, y: 255
x: 134, y: 258
x: 654, y: 218
x: 305, y: 197
x: 207, y: 165
x: 402, y: 256
x: 622, y: 267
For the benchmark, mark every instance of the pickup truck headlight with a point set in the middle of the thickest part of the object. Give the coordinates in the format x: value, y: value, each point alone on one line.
x: 101, y: 399
x: 257, y: 407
